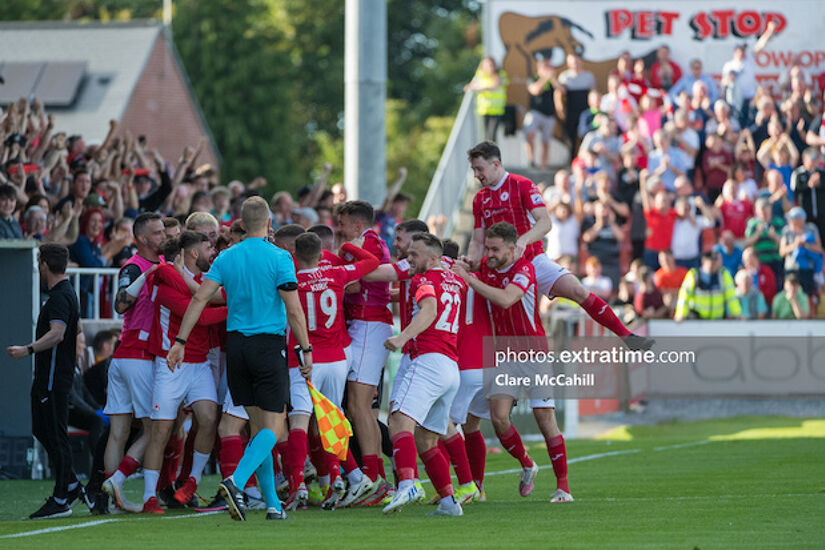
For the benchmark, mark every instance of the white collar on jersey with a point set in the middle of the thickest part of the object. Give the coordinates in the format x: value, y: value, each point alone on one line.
x: 506, y: 269
x: 310, y: 270
x: 364, y: 232
x: 500, y: 182
x: 186, y: 269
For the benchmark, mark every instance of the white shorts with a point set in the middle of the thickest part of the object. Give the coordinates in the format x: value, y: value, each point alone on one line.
x: 547, y: 273
x: 189, y: 383
x: 299, y: 398
x: 470, y: 397
x: 130, y: 387
x: 403, y: 365
x: 328, y: 378
x: 542, y: 404
x: 427, y: 391
x: 368, y: 354
x: 229, y: 407
x: 535, y: 121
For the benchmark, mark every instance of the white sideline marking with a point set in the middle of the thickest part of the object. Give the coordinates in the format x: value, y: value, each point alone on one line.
x: 682, y: 445
x: 570, y: 461
x: 584, y: 458
x: 57, y: 529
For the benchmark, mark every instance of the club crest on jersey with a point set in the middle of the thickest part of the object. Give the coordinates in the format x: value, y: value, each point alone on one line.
x: 504, y: 196
x: 506, y: 281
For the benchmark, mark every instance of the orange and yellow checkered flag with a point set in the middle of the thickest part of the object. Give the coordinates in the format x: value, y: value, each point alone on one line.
x: 333, y: 426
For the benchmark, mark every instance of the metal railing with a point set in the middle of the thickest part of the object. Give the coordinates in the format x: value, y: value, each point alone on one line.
x: 96, y: 272
x: 453, y: 175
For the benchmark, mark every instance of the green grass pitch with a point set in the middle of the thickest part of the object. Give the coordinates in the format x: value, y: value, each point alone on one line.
x: 745, y: 482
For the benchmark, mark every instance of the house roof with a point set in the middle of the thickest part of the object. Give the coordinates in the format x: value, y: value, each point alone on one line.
x: 115, y: 55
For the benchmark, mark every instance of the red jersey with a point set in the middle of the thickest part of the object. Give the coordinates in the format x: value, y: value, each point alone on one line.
x: 473, y: 326
x: 171, y: 297
x: 510, y: 201
x: 522, y: 318
x: 321, y: 290
x: 448, y: 289
x: 329, y: 258
x: 372, y: 303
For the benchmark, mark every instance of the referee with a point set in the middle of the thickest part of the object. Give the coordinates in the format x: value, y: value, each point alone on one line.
x: 54, y: 362
x: 261, y: 298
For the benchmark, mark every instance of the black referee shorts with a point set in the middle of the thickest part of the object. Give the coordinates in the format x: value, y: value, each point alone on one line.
x: 256, y: 371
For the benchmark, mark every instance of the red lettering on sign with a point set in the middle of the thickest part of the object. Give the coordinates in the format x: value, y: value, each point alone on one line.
x: 747, y: 23
x: 701, y: 25
x: 780, y: 20
x: 645, y: 24
x: 666, y: 19
x: 618, y: 21
x: 723, y: 19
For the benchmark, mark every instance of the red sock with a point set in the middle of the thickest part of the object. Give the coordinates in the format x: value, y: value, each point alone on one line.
x: 438, y: 470
x: 458, y: 457
x: 128, y: 466
x: 381, y: 471
x: 188, y: 454
x: 403, y: 449
x: 511, y: 441
x: 558, y: 456
x: 349, y: 464
x: 171, y: 458
x: 370, y: 466
x: 333, y: 466
x: 602, y: 314
x: 298, y: 449
x: 276, y: 460
x: 476, y: 455
x: 230, y: 454
x: 444, y: 450
x: 317, y: 455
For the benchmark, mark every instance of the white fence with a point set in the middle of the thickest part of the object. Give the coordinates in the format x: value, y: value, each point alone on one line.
x: 97, y: 273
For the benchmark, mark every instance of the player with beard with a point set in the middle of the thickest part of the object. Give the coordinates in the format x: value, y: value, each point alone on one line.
x: 431, y: 381
x: 509, y: 283
x: 506, y: 197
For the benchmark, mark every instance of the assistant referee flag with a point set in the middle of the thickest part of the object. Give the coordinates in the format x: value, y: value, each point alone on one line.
x: 333, y: 426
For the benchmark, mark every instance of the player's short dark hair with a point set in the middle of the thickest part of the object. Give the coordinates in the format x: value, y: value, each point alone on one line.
x: 290, y: 230
x: 189, y: 239
x: 8, y: 191
x: 450, y: 248
x: 323, y: 231
x: 412, y: 226
x: 170, y: 249
x: 55, y: 256
x: 430, y: 241
x: 486, y: 150
x: 308, y: 247
x: 170, y: 222
x: 142, y: 220
x: 102, y: 337
x: 503, y: 230
x: 401, y: 197
x: 358, y: 209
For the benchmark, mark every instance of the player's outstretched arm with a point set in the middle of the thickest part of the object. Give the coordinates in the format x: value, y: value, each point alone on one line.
x: 190, y: 318
x: 502, y: 297
x: 384, y: 273
x: 298, y: 324
x: 419, y: 323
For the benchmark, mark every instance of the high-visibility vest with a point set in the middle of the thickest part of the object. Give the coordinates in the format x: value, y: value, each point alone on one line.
x: 714, y: 300
x: 491, y: 102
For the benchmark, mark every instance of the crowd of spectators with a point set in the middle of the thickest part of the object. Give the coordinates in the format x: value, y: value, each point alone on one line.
x: 56, y: 187
x: 687, y: 197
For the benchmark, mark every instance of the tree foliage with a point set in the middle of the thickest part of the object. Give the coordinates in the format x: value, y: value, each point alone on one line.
x: 269, y: 76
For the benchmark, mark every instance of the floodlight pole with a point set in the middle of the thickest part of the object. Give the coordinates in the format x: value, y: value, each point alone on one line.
x: 365, y: 93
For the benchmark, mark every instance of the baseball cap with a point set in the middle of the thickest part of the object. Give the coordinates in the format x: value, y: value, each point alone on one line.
x: 93, y: 199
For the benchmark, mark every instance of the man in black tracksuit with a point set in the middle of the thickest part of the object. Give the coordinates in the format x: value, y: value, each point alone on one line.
x: 54, y: 350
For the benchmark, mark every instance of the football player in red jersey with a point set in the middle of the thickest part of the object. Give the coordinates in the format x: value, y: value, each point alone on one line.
x: 431, y: 382
x: 192, y: 383
x: 321, y: 291
x: 370, y: 324
x: 509, y: 283
x: 514, y: 199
